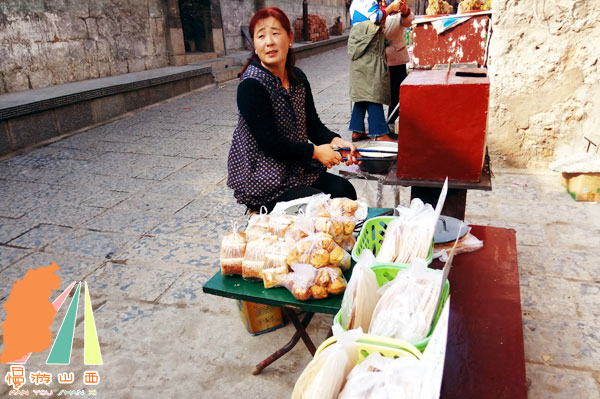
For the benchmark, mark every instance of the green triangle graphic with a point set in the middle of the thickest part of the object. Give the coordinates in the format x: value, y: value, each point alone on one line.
x: 61, y: 348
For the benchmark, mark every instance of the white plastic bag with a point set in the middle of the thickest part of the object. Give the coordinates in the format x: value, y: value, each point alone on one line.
x: 409, y: 235
x: 258, y: 224
x: 407, y: 305
x: 361, y: 294
x: 306, y: 281
x: 233, y: 249
x: 324, y: 376
x: 379, y: 377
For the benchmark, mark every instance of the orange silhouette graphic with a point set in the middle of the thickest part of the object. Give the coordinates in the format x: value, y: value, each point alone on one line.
x: 29, y: 314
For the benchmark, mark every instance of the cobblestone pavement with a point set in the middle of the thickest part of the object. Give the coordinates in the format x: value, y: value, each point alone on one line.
x: 137, y: 207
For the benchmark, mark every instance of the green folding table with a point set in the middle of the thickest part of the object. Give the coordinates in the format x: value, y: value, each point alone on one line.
x: 237, y: 288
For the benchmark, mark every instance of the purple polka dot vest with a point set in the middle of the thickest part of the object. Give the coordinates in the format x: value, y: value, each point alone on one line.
x: 255, y: 177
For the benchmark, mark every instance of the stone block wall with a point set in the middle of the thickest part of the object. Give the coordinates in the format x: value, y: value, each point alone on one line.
x: 236, y: 14
x: 51, y: 42
x: 544, y: 80
x: 329, y: 10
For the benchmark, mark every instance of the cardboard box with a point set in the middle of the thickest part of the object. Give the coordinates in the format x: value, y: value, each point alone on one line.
x: 582, y: 186
x: 259, y: 318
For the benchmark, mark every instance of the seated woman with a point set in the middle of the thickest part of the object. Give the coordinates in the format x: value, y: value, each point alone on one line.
x: 271, y: 158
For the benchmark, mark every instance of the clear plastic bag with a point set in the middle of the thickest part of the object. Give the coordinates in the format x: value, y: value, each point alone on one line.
x: 306, y: 281
x: 279, y: 223
x: 319, y: 250
x: 258, y: 224
x: 407, y: 304
x: 276, y: 267
x: 361, y: 295
x: 409, y: 235
x: 379, y: 377
x: 233, y: 248
x: 255, y: 256
x: 324, y: 376
x: 301, y: 227
x: 468, y: 243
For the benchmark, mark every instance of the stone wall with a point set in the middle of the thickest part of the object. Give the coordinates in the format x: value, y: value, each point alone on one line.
x: 329, y: 10
x: 545, y: 80
x: 50, y: 42
x: 238, y: 13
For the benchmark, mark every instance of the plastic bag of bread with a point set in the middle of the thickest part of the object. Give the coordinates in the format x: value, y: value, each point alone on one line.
x: 361, y: 295
x: 255, y: 256
x: 409, y: 235
x: 348, y: 242
x: 324, y: 376
x: 318, y: 205
x: 258, y: 224
x: 337, y: 217
x: 276, y: 266
x: 388, y: 252
x: 300, y: 281
x: 387, y: 378
x: 322, y: 205
x: 319, y: 250
x: 306, y: 281
x: 407, y: 304
x: 279, y: 223
x: 301, y: 227
x: 233, y: 248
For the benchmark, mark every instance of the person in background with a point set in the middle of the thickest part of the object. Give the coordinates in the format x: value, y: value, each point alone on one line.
x: 369, y: 75
x: 397, y: 54
x: 271, y: 158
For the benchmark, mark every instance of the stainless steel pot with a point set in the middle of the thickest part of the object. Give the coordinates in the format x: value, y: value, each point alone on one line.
x: 380, y: 164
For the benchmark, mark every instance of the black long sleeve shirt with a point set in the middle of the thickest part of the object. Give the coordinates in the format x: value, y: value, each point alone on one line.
x: 255, y: 106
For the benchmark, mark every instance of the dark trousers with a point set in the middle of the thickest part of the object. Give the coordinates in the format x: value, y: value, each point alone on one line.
x: 327, y: 183
x: 397, y: 75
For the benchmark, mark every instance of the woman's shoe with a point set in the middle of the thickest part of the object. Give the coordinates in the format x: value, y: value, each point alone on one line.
x: 386, y: 137
x: 359, y: 136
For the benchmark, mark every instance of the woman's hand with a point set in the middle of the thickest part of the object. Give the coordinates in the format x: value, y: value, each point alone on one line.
x: 325, y: 154
x: 350, y: 155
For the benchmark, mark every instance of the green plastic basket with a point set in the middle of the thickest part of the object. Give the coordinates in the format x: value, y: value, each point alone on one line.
x: 386, y: 273
x: 371, y: 237
x: 367, y: 344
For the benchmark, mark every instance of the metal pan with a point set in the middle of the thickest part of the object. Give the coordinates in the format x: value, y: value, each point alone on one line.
x: 381, y: 164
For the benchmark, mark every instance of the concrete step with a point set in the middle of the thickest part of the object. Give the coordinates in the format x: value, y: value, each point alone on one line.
x: 225, y: 74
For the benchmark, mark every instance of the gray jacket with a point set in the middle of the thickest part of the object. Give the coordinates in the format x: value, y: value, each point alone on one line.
x: 369, y: 75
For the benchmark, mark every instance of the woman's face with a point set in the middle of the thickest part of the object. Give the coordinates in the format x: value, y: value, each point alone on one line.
x: 271, y: 42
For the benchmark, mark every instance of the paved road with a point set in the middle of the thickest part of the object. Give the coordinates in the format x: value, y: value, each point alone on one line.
x: 137, y: 208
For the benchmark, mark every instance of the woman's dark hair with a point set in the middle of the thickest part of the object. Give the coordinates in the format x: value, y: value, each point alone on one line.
x: 285, y: 24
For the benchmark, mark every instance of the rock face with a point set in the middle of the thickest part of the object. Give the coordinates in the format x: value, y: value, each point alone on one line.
x: 44, y: 43
x: 544, y: 80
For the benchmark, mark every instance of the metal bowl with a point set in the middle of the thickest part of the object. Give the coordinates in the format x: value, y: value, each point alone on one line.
x: 381, y: 164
